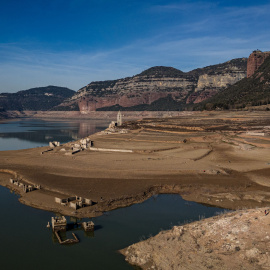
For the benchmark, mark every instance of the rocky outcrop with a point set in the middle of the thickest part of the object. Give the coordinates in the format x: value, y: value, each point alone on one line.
x: 255, y: 60
x: 248, y: 92
x: 157, y: 83
x: 238, y: 240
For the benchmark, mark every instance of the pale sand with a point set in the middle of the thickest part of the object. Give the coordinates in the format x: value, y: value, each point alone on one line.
x: 219, y: 164
x: 213, y: 163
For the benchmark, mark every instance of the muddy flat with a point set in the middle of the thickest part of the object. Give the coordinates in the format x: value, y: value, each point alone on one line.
x: 216, y: 158
x: 219, y: 158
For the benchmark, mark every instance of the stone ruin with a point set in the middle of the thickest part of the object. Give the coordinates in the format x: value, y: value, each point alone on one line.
x: 88, y: 226
x: 26, y: 188
x: 118, y: 122
x: 256, y: 133
x: 84, y: 144
x: 59, y: 223
x: 74, y: 202
x: 112, y: 125
x: 54, y: 144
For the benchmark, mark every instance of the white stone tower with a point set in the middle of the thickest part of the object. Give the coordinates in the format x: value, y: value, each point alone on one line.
x: 119, y: 119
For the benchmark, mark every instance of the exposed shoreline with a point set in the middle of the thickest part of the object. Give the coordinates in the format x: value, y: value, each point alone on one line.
x: 215, y: 158
x: 95, y: 115
x: 237, y: 240
x: 202, y: 173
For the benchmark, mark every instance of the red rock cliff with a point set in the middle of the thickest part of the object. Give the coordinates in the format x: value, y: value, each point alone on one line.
x: 255, y: 60
x: 159, y: 82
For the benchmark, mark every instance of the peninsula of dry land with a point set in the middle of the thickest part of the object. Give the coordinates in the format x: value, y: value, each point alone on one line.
x: 217, y: 158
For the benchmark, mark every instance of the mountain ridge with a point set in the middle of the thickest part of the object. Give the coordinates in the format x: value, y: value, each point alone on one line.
x: 251, y: 91
x: 158, y: 83
x: 37, y: 98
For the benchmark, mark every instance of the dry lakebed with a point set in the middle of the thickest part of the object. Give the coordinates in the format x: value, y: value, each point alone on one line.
x: 215, y: 158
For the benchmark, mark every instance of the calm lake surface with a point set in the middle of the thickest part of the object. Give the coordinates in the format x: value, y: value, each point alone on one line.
x: 26, y: 243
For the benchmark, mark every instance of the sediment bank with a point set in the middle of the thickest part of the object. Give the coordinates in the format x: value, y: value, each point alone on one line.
x: 208, y: 158
x: 237, y: 240
x: 95, y: 115
x: 220, y: 159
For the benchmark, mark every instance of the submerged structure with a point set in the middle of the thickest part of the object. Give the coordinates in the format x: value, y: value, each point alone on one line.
x: 59, y: 224
x: 88, y: 226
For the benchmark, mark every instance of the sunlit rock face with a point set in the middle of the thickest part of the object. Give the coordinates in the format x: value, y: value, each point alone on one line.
x: 157, y: 83
x: 255, y: 59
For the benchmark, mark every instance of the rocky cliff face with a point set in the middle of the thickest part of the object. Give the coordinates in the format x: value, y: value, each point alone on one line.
x: 157, y: 83
x: 255, y: 60
x: 251, y: 91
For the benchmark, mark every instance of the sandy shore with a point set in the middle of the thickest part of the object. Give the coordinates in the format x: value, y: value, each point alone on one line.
x: 217, y: 158
x: 95, y: 115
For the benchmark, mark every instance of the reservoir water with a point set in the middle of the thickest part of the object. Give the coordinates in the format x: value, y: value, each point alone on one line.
x: 26, y: 243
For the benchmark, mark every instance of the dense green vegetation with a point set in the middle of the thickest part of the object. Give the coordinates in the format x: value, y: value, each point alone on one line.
x: 35, y: 99
x: 145, y: 79
x: 161, y: 71
x: 162, y: 104
x: 220, y: 68
x: 71, y: 107
x: 252, y: 91
x: 98, y: 88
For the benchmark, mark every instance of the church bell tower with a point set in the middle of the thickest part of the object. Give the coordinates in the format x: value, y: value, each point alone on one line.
x: 119, y: 119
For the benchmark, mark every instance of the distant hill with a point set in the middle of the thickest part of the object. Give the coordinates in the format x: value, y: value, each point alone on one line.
x: 154, y: 89
x: 161, y: 71
x: 35, y: 99
x: 158, y: 88
x: 252, y: 91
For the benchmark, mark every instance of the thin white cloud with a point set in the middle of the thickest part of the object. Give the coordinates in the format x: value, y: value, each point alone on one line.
x: 184, y: 6
x: 76, y: 69
x: 202, y: 41
x: 249, y: 11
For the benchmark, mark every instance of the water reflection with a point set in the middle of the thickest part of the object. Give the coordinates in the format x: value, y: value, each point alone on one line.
x: 33, y: 133
x: 24, y: 234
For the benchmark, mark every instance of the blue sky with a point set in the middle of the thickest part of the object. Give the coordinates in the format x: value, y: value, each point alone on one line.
x: 73, y: 42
